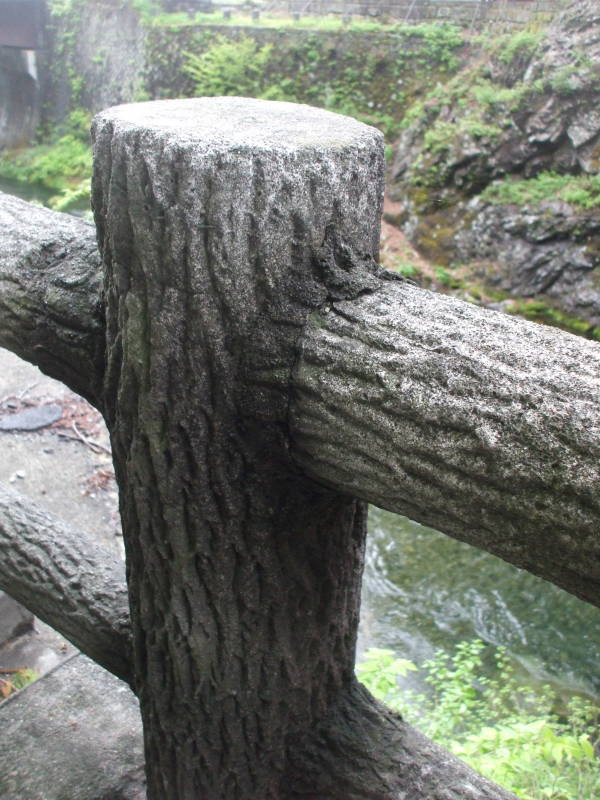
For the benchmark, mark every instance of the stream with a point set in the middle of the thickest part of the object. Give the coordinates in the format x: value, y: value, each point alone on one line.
x: 423, y: 591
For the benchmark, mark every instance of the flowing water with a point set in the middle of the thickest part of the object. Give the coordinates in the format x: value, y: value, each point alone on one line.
x: 424, y: 591
x: 36, y: 193
x: 32, y: 192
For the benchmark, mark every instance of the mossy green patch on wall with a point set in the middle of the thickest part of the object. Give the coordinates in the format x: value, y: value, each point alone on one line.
x: 371, y: 75
x: 581, y: 191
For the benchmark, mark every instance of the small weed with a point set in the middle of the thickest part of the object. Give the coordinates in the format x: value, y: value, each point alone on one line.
x: 509, y: 732
x: 581, y: 191
x: 446, y: 279
x: 12, y: 680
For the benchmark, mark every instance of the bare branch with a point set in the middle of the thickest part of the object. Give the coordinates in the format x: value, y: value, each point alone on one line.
x: 51, y: 310
x: 483, y: 426
x: 69, y: 581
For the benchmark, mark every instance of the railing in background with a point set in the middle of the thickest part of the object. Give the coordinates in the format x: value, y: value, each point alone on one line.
x: 469, y: 13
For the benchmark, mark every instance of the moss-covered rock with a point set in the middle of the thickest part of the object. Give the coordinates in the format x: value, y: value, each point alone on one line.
x: 501, y: 163
x: 374, y: 75
x: 550, y: 250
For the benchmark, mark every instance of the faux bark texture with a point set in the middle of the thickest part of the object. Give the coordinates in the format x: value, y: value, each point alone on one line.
x: 224, y: 224
x: 363, y: 738
x: 50, y: 294
x: 244, y: 577
x: 64, y: 577
x: 480, y: 425
x: 260, y: 372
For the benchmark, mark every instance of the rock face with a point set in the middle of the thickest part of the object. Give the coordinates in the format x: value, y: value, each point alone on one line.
x: 548, y: 250
x: 529, y: 108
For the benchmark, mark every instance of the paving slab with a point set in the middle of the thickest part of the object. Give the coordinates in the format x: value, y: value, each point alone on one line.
x: 74, y: 734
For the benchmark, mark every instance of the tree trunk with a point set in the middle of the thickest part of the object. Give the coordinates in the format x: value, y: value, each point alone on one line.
x: 244, y: 578
x: 223, y: 224
x: 481, y: 425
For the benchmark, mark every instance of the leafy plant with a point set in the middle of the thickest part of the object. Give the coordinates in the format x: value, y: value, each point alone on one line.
x: 445, y: 278
x: 582, y: 191
x: 62, y: 163
x: 15, y: 679
x: 487, y: 93
x: 507, y: 731
x: 519, y: 47
x: 407, y: 269
x: 230, y: 67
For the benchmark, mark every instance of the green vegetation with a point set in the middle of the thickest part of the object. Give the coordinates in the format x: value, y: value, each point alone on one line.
x: 581, y: 191
x: 538, y: 311
x: 230, y: 68
x: 372, y: 76
x: 469, y: 113
x: 445, y: 278
x: 408, y: 270
x: 490, y: 94
x: 13, y: 680
x: 440, y: 137
x: 518, y: 47
x: 529, y: 741
x: 63, y: 162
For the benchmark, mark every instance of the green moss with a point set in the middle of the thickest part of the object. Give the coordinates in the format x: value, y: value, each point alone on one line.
x: 539, y: 311
x: 581, y: 191
x: 519, y: 47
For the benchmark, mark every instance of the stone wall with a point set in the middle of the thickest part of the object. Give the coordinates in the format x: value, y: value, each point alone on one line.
x: 93, y: 59
x: 101, y: 53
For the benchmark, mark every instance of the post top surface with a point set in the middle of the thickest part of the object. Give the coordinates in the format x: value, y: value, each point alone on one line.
x: 242, y: 122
